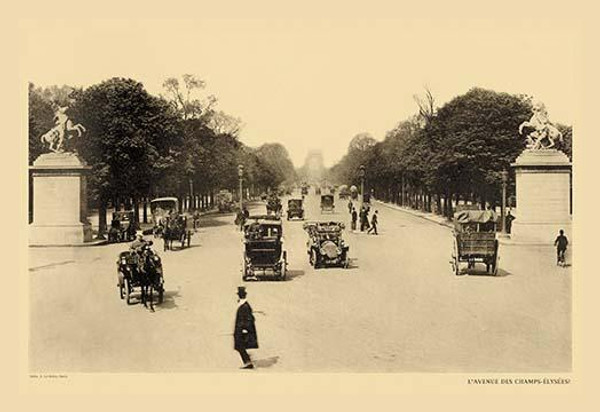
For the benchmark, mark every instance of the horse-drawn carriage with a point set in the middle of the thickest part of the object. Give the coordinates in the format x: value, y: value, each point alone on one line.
x: 169, y: 223
x: 122, y: 227
x: 177, y: 228
x: 475, y: 240
x: 161, y: 209
x: 325, y: 245
x: 140, y: 269
x: 264, y: 255
x: 327, y: 203
x: 295, y: 209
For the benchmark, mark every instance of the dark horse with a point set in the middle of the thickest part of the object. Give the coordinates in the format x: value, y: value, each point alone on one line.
x: 151, y: 279
x: 175, y: 229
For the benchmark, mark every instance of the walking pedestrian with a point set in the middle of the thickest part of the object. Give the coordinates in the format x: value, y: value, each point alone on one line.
x: 561, y: 243
x: 244, y: 333
x: 373, y: 223
x: 354, y: 217
x: 362, y: 218
x: 350, y: 206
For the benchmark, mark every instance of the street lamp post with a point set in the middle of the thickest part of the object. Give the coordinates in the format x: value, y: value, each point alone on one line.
x: 361, y: 173
x: 241, y: 176
x: 504, y: 175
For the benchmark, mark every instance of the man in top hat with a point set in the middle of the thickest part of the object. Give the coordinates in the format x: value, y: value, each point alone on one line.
x: 244, y: 333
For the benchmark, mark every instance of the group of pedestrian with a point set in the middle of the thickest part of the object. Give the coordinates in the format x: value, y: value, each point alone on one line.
x: 363, y: 215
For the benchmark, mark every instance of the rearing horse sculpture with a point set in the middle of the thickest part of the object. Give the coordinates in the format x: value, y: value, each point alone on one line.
x: 543, y: 129
x: 63, y: 130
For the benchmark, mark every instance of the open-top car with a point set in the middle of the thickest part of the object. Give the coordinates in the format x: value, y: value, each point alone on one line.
x: 122, y: 227
x: 327, y: 204
x: 264, y: 255
x: 295, y: 209
x: 325, y: 245
x: 475, y: 240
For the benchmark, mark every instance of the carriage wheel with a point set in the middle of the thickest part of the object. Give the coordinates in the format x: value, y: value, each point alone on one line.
x: 127, y: 288
x: 496, y: 259
x: 121, y: 291
x: 455, y: 261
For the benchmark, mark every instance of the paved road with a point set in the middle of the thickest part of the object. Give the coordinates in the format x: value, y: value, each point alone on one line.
x: 397, y: 309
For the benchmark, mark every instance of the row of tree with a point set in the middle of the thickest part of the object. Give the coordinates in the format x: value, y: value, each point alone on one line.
x: 142, y: 146
x: 444, y: 155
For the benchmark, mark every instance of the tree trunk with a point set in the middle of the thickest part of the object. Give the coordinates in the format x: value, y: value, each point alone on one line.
x: 145, y: 214
x: 101, y: 218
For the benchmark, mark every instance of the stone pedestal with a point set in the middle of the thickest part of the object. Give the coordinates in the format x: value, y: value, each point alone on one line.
x: 543, y: 196
x: 59, y: 201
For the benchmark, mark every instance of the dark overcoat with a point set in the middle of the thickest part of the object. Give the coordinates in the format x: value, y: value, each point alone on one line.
x: 244, y: 320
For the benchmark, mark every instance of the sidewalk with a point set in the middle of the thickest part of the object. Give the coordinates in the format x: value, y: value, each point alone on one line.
x: 515, y: 257
x: 440, y: 220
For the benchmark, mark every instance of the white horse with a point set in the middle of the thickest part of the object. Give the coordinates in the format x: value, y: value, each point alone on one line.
x: 543, y: 129
x: 63, y: 130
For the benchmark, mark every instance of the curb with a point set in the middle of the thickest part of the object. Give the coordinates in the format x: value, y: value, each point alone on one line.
x: 412, y: 213
x: 86, y: 244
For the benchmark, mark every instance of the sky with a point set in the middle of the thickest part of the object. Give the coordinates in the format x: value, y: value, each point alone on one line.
x: 312, y: 83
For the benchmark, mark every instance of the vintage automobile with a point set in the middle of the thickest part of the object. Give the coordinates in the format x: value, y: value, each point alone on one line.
x: 343, y: 192
x: 274, y: 205
x: 129, y: 276
x: 264, y: 255
x: 162, y: 208
x: 475, y: 240
x: 325, y: 245
x: 122, y: 227
x: 295, y: 209
x: 224, y: 200
x: 327, y: 204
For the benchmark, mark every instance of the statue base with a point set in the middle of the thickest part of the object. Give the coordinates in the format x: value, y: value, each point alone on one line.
x: 59, y: 201
x: 543, y: 196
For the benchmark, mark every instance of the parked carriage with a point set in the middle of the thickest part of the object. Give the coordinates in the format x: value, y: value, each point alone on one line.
x: 325, y: 245
x: 122, y: 227
x: 327, y: 204
x: 264, y: 254
x: 475, y: 240
x: 130, y: 277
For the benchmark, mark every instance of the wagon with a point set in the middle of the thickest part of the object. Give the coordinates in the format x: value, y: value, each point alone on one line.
x: 475, y: 240
x: 264, y: 254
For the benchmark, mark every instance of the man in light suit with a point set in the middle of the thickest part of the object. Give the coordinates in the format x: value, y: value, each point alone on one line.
x: 244, y: 333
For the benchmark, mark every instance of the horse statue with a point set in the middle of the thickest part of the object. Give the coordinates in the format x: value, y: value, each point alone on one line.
x: 63, y: 130
x: 542, y: 129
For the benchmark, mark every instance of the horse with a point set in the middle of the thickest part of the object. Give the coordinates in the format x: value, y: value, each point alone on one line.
x: 174, y: 229
x: 150, y: 279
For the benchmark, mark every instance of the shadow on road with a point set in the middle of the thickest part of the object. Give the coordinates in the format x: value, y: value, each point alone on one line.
x: 266, y: 363
x: 293, y: 274
x: 169, y: 300
x: 177, y: 248
x: 215, y: 221
x: 500, y: 273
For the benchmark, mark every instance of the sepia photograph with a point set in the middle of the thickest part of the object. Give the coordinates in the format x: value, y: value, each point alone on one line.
x: 273, y: 193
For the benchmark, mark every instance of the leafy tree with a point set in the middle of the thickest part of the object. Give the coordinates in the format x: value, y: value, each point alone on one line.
x: 132, y: 139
